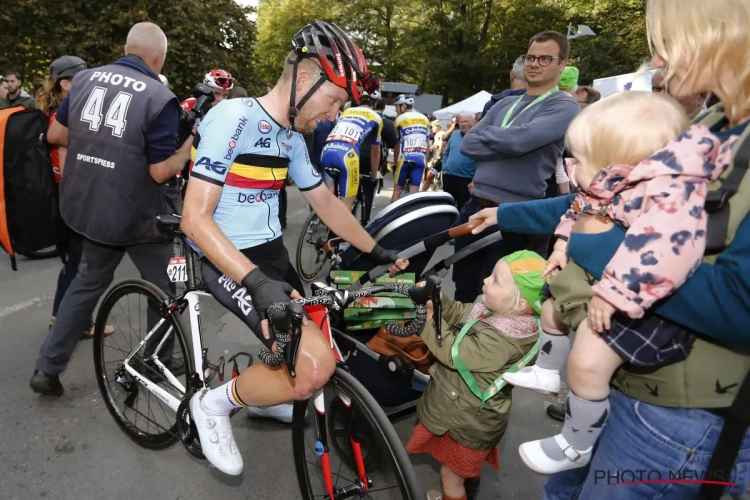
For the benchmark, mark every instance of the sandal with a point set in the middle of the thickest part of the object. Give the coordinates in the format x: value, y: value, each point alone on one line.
x: 88, y: 332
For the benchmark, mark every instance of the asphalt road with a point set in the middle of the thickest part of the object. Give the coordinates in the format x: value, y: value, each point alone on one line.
x: 70, y: 448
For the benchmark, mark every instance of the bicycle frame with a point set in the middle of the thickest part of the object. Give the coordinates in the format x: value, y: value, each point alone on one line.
x: 321, y: 445
x: 193, y: 306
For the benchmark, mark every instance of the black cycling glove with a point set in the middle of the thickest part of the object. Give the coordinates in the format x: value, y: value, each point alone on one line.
x: 264, y: 291
x: 382, y: 256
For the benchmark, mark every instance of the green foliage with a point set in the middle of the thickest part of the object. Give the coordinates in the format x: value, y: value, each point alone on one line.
x: 202, y: 34
x: 458, y: 47
x: 449, y: 47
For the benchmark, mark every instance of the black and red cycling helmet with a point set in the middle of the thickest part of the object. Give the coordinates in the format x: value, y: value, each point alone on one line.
x: 342, y: 61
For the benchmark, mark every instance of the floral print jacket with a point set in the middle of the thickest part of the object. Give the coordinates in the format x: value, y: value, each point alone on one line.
x: 660, y: 204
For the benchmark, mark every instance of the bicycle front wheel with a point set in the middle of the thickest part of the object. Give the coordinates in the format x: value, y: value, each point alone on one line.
x: 132, y: 308
x: 311, y: 258
x: 358, y: 454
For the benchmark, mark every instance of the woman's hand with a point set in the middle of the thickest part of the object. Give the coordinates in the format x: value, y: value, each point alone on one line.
x: 490, y: 219
x: 600, y: 313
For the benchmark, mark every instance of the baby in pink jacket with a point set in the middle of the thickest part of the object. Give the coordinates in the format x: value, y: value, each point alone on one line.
x: 629, y: 169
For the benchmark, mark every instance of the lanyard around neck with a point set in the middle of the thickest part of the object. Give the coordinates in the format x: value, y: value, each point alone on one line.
x: 539, y: 99
x: 498, y: 384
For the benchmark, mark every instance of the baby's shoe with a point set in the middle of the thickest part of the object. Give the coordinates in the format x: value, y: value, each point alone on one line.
x: 553, y: 455
x: 538, y: 379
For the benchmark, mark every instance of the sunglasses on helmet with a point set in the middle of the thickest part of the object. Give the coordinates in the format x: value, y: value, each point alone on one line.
x: 369, y: 84
x: 224, y: 81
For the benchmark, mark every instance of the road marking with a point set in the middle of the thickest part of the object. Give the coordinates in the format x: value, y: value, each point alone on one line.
x: 23, y: 305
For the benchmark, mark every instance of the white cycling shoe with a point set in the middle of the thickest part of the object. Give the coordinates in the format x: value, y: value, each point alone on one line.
x: 538, y: 379
x: 283, y: 412
x: 217, y: 441
x: 536, y: 459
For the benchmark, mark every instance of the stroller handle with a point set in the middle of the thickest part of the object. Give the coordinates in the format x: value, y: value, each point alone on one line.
x: 464, y: 229
x: 286, y: 317
x: 430, y: 243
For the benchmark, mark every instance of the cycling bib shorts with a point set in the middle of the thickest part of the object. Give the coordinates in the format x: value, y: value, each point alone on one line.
x: 413, y: 128
x: 341, y: 151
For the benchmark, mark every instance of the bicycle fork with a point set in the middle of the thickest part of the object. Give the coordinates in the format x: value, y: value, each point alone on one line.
x: 322, y: 451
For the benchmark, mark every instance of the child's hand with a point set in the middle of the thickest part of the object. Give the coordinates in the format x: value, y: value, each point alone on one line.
x: 430, y: 311
x: 558, y: 258
x: 599, y: 314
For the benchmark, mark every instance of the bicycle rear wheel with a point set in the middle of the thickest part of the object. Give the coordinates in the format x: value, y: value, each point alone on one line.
x: 322, y: 468
x: 132, y: 307
x: 311, y: 258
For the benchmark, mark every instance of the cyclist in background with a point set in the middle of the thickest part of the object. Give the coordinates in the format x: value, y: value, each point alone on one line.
x: 220, y: 82
x: 409, y: 156
x: 245, y: 150
x: 355, y: 126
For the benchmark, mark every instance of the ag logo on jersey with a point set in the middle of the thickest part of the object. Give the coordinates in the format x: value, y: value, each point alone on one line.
x: 264, y: 127
x: 263, y: 142
x: 216, y: 167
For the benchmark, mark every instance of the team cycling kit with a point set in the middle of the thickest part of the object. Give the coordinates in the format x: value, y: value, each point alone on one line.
x: 341, y: 151
x: 413, y: 129
x: 240, y: 148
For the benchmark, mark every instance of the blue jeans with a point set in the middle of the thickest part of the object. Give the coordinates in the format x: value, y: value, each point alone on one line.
x: 647, y: 442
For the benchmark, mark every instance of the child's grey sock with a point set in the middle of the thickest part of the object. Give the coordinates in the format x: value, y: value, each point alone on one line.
x: 553, y: 351
x: 584, y: 421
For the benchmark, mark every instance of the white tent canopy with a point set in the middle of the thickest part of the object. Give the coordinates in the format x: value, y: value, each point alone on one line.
x: 473, y: 104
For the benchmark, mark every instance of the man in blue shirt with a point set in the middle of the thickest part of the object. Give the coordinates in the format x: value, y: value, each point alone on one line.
x: 119, y: 124
x: 458, y: 169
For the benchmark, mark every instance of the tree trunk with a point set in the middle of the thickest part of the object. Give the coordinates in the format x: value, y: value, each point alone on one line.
x: 485, y: 25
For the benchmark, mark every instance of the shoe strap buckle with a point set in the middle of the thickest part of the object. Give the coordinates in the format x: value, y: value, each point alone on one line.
x: 571, y: 453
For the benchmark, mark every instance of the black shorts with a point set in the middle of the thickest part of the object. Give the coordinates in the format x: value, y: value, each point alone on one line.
x: 272, y: 259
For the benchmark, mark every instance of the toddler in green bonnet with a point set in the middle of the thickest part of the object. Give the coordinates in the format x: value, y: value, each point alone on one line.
x: 465, y: 408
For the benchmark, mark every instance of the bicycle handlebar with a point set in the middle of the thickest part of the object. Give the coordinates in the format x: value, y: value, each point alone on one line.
x: 286, y: 317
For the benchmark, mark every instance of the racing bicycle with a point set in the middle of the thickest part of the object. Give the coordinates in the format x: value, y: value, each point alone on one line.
x: 345, y: 447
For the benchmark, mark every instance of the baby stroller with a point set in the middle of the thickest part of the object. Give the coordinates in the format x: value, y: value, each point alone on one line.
x: 416, y: 225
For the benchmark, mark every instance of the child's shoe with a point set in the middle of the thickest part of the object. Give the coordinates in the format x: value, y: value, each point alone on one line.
x: 553, y: 455
x: 538, y: 379
x: 434, y: 495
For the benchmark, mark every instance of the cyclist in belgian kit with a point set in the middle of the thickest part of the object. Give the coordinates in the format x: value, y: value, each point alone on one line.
x: 243, y: 152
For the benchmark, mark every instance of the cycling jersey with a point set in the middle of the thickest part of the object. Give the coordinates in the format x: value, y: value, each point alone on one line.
x: 413, y: 129
x: 341, y: 151
x: 241, y: 148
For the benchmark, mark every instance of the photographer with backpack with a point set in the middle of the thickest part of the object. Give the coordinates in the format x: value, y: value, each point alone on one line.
x: 48, y: 98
